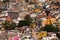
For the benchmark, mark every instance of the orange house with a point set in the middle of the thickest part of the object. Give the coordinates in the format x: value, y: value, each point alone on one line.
x: 49, y: 20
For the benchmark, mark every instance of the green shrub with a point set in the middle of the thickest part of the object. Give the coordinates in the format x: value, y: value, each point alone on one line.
x: 51, y: 28
x: 9, y: 25
x: 26, y: 22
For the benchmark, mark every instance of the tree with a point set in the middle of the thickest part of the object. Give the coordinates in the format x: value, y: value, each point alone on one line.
x: 51, y: 28
x: 27, y: 0
x: 31, y: 2
x: 9, y: 25
x: 25, y: 22
x: 0, y: 10
x: 5, y: 1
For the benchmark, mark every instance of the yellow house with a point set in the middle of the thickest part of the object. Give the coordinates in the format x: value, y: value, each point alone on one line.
x: 37, y: 10
x: 42, y: 34
x: 39, y: 35
x: 33, y: 25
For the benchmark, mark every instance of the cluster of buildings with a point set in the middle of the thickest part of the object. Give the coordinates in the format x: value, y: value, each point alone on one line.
x: 46, y: 11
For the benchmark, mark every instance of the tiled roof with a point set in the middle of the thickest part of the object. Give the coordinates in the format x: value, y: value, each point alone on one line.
x: 13, y: 15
